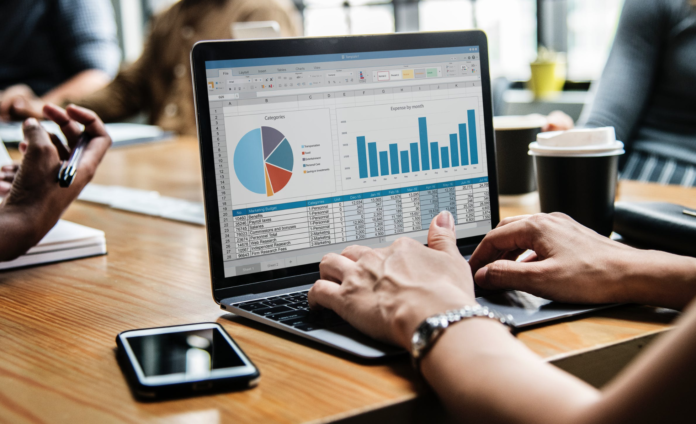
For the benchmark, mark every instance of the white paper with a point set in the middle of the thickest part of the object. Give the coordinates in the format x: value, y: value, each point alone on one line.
x: 5, y: 158
x: 65, y: 241
x: 145, y: 202
x: 67, y: 232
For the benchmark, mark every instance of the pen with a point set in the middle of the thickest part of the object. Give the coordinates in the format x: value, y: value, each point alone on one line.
x: 688, y: 212
x: 68, y: 169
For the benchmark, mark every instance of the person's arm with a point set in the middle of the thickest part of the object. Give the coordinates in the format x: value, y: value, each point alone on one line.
x: 19, y: 101
x: 80, y: 85
x: 630, y: 72
x: 574, y: 264
x: 484, y: 375
x: 477, y: 367
x: 36, y: 201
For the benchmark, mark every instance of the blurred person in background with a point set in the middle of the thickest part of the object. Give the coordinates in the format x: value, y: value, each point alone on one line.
x: 54, y: 51
x: 647, y: 91
x: 159, y: 82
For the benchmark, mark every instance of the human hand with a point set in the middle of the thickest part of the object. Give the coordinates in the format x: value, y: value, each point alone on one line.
x: 558, y: 121
x: 35, y: 193
x: 570, y: 263
x: 386, y: 293
x: 19, y: 102
x: 7, y: 176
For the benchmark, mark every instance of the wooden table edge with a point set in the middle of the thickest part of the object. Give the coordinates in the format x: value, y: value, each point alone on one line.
x: 562, y: 356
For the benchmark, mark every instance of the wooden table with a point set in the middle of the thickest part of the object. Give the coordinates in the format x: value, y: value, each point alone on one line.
x: 58, y: 322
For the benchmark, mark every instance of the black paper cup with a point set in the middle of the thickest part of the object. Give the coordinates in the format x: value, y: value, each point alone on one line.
x: 515, y: 167
x: 581, y: 185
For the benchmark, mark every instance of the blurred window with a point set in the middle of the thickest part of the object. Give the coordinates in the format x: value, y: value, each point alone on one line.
x: 509, y: 24
x: 338, y: 17
x: 591, y: 28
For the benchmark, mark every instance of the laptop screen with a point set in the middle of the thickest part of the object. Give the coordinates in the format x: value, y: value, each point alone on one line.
x: 315, y: 153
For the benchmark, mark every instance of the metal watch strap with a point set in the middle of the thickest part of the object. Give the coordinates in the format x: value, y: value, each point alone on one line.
x: 432, y: 327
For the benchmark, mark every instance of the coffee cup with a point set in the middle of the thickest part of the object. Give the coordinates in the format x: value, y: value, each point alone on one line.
x: 577, y: 174
x: 515, y: 167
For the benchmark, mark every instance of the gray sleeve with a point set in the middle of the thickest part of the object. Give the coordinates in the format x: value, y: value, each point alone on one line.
x: 629, y: 75
x: 87, y: 30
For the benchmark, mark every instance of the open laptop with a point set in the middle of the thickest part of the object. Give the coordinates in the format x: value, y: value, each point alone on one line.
x: 309, y: 145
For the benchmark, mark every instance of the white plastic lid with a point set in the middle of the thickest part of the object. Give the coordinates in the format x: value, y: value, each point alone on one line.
x: 612, y: 149
x: 581, y: 142
x: 578, y: 137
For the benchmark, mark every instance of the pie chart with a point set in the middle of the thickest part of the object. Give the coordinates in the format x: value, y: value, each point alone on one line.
x: 263, y: 161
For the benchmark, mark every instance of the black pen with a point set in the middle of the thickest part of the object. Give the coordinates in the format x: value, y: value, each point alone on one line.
x: 68, y: 170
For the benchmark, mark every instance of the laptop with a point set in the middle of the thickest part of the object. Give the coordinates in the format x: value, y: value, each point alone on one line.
x: 309, y: 145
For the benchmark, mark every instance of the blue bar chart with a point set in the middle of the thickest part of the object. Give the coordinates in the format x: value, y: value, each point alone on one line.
x: 415, y: 141
x: 429, y: 154
x: 384, y: 163
x: 362, y: 155
x: 444, y: 154
x: 414, y: 157
x: 394, y: 158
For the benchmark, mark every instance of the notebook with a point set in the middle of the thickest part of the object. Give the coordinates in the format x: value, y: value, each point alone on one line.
x: 66, y: 241
x: 5, y: 158
x: 657, y: 225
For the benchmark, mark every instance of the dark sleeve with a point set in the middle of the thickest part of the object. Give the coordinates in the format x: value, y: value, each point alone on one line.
x: 629, y: 75
x: 87, y: 31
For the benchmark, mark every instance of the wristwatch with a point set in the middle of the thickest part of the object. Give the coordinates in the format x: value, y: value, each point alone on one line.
x: 432, y: 327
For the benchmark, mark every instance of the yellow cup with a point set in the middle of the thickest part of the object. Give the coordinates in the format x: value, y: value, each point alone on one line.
x: 547, y: 79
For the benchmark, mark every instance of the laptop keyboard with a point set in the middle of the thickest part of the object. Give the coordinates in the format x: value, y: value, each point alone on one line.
x: 292, y: 309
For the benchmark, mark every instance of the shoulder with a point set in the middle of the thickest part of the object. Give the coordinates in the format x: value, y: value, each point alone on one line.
x: 667, y: 11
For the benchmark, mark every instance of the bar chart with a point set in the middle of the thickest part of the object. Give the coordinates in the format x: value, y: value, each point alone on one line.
x: 415, y: 141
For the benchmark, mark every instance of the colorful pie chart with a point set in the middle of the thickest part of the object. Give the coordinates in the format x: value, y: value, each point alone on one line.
x: 263, y: 161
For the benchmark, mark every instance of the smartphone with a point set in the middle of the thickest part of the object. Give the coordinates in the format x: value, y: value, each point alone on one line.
x: 184, y: 360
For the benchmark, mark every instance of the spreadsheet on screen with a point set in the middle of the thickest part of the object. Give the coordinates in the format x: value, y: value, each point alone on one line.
x: 315, y: 153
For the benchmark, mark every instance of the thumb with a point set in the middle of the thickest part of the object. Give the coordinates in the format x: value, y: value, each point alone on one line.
x: 441, y: 235
x: 34, y: 135
x: 506, y: 274
x: 38, y: 144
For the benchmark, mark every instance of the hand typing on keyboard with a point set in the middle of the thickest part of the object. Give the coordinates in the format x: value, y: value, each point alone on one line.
x: 292, y: 309
x: 386, y: 293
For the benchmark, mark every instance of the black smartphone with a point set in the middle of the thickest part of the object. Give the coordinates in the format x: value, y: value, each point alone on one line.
x: 184, y: 360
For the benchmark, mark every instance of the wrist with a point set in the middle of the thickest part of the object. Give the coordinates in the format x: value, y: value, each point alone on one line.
x: 18, y: 231
x: 432, y: 328
x: 409, y: 317
x: 663, y: 279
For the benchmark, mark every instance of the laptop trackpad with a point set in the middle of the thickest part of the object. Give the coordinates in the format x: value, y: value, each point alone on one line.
x: 527, y: 309
x: 348, y: 338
